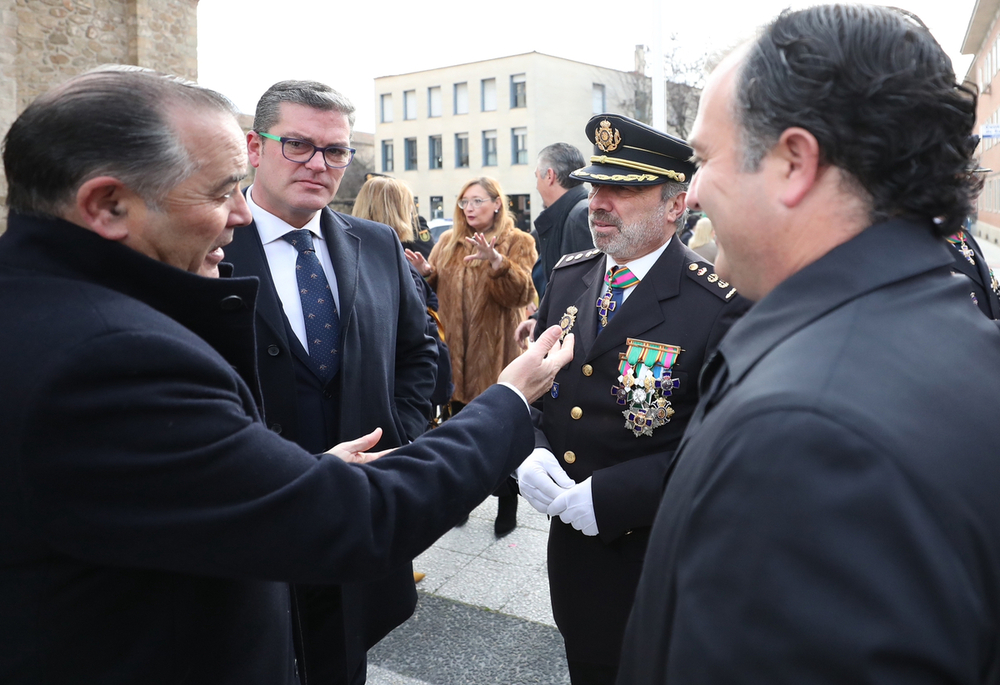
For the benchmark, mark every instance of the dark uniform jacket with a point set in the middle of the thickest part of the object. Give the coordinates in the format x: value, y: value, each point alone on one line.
x: 387, y: 373
x: 983, y: 289
x: 149, y: 521
x: 680, y: 302
x: 832, y: 515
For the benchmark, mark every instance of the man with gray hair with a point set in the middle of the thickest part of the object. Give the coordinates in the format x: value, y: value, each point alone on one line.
x: 149, y: 520
x: 562, y: 226
x: 647, y: 311
x: 360, y: 361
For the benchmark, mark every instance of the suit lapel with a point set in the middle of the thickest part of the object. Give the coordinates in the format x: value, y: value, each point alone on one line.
x: 642, y: 311
x: 585, y: 328
x: 345, y: 251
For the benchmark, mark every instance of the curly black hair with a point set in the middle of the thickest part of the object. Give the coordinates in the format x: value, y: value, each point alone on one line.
x: 880, y: 96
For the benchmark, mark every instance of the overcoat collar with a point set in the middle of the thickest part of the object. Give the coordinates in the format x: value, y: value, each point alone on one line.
x: 880, y: 255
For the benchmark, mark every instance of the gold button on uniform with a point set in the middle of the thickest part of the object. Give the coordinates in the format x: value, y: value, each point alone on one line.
x: 587, y: 370
x: 576, y: 412
x: 569, y: 457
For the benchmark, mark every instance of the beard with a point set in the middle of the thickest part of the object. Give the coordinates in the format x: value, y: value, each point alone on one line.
x: 631, y: 241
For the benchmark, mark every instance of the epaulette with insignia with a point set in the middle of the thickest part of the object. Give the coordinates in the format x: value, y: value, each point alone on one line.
x: 576, y: 257
x: 705, y: 276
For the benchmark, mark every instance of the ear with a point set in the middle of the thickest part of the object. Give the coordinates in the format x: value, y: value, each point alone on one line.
x: 675, y: 207
x: 797, y: 155
x: 103, y: 205
x: 254, y: 144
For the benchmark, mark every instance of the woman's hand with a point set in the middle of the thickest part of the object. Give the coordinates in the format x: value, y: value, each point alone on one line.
x: 484, y: 250
x: 422, y: 266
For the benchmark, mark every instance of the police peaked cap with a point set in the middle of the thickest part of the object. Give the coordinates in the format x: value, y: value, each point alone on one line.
x: 630, y: 153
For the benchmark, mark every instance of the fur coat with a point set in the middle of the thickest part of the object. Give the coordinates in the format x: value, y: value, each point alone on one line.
x: 480, y: 308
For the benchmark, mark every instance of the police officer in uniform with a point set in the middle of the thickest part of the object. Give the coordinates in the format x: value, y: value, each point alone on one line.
x: 984, y: 291
x: 645, y: 311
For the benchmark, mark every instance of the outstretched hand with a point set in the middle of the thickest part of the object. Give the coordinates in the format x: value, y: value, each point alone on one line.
x: 353, y: 451
x: 533, y: 372
x: 484, y: 250
x: 418, y: 261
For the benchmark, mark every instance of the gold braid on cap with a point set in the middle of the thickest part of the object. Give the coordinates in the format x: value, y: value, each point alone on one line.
x: 639, y: 166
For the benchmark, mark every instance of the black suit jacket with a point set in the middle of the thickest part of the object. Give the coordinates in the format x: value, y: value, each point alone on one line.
x: 385, y: 380
x: 832, y: 515
x: 593, y: 578
x: 149, y: 521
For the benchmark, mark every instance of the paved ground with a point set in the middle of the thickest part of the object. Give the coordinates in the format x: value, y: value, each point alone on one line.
x: 483, y: 614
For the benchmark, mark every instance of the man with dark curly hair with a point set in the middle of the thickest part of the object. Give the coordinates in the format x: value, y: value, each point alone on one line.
x: 832, y: 514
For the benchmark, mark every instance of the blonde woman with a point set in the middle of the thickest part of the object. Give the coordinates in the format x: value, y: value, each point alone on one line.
x: 481, y: 271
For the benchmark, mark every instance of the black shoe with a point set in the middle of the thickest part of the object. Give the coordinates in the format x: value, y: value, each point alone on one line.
x: 506, y: 515
x: 465, y: 519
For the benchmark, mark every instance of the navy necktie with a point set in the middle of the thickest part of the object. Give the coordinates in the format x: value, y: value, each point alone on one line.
x: 318, y: 308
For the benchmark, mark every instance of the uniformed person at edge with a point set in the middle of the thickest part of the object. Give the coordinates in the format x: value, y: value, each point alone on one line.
x: 645, y: 311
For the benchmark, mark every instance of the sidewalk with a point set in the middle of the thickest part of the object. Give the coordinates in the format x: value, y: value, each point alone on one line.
x: 483, y: 613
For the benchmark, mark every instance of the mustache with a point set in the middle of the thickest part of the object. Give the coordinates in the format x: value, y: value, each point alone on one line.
x: 605, y: 218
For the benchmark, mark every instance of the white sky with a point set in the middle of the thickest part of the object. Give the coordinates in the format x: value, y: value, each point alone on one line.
x: 245, y: 47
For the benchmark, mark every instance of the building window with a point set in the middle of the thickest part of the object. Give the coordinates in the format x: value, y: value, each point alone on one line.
x: 598, y: 99
x: 437, y: 207
x: 489, y: 95
x: 519, y: 207
x: 434, y: 146
x: 385, y: 102
x: 518, y: 91
x: 411, y: 154
x: 519, y: 145
x: 409, y: 104
x: 489, y: 148
x: 434, y: 101
x: 461, y: 98
x: 461, y: 150
x: 387, y: 161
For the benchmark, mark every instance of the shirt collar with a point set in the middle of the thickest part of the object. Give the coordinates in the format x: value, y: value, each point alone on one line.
x: 271, y: 228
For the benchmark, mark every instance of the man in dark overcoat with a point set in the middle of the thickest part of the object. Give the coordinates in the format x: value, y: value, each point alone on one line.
x: 832, y: 513
x: 149, y: 521
x: 645, y: 311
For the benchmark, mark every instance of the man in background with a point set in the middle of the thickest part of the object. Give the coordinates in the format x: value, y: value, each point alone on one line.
x: 561, y: 227
x: 353, y: 358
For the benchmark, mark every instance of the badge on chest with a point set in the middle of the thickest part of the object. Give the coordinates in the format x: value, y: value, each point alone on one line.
x: 645, y: 383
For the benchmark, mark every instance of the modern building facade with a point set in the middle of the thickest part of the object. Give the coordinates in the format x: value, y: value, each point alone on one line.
x: 982, y: 39
x: 439, y: 128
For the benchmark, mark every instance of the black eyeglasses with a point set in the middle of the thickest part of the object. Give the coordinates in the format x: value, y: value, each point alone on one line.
x: 301, y: 151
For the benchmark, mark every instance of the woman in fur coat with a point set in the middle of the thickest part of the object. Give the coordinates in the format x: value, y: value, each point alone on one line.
x: 481, y: 271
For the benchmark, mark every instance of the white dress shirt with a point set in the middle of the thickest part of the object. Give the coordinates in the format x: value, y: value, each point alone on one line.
x: 281, y: 256
x: 640, y: 267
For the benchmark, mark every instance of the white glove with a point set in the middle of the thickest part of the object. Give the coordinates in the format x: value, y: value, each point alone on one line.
x: 541, y: 479
x: 576, y: 507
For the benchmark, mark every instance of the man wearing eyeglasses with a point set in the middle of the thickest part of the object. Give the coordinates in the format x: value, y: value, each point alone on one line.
x: 341, y: 345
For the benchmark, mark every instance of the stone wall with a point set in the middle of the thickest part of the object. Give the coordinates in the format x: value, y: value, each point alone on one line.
x: 44, y: 42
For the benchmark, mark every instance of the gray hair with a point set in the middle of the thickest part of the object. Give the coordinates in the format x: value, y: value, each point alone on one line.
x: 670, y: 190
x: 112, y: 121
x: 309, y: 93
x: 563, y: 159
